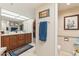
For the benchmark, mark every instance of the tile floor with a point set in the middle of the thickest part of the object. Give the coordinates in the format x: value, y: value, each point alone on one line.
x: 30, y: 52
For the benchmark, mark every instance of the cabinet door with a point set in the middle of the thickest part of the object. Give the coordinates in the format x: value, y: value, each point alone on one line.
x: 13, y: 42
x: 5, y: 42
x: 22, y: 40
x: 29, y: 37
x: 17, y: 41
x: 26, y: 38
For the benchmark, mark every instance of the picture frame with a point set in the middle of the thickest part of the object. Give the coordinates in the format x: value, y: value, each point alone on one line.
x: 44, y: 13
x: 71, y: 22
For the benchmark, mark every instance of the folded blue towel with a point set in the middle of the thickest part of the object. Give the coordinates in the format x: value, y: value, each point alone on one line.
x: 43, y: 31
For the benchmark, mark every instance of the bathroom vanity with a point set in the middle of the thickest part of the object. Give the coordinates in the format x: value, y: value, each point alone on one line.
x: 13, y: 41
x: 14, y: 33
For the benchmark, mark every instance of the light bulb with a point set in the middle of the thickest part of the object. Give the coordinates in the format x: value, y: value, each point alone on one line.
x: 67, y: 3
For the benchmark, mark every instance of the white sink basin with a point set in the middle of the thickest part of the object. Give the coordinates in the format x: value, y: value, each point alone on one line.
x: 2, y: 50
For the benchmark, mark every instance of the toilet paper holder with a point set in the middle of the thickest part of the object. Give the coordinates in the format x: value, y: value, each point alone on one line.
x: 66, y: 39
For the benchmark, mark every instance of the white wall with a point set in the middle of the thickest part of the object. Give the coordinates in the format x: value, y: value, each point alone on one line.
x: 48, y: 47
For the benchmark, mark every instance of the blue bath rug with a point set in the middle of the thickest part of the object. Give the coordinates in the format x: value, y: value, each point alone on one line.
x: 20, y: 50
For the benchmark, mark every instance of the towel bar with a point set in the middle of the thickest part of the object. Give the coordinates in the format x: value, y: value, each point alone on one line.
x: 68, y: 36
x: 43, y: 21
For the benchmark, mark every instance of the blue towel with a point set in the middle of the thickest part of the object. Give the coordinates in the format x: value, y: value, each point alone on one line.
x: 43, y: 31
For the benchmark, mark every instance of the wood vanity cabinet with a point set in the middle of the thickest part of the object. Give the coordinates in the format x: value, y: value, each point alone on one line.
x: 15, y: 41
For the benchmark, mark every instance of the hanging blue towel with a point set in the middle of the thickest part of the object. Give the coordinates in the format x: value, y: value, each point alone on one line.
x: 43, y: 31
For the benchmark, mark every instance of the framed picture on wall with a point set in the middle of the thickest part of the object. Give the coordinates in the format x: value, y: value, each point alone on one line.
x: 71, y: 22
x: 44, y: 13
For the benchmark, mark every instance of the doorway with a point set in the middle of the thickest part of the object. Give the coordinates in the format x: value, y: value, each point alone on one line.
x: 34, y: 31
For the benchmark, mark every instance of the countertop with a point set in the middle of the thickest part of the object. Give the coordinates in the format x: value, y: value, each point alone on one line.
x: 12, y: 34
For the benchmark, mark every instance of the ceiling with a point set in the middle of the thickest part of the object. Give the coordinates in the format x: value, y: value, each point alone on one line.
x: 25, y: 9
x: 64, y: 6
